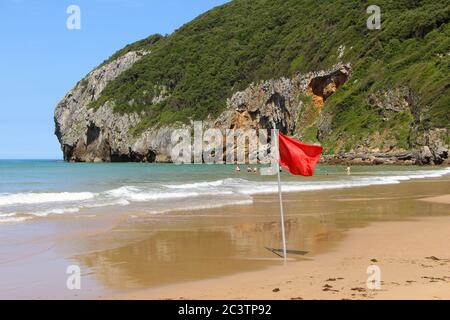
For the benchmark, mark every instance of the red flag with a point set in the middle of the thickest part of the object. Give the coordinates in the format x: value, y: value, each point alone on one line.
x: 298, y: 157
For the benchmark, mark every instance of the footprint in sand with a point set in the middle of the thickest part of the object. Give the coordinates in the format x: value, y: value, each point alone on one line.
x: 433, y: 258
x: 434, y: 279
x: 327, y: 287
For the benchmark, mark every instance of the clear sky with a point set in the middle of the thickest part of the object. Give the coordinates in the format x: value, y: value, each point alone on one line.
x: 41, y: 59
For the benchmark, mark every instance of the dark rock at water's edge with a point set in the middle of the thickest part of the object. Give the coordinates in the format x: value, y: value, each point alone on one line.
x: 402, y: 158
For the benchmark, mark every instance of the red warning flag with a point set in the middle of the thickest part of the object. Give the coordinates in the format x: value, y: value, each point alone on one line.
x: 298, y: 157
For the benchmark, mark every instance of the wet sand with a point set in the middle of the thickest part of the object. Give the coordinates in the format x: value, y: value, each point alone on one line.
x: 412, y: 256
x: 220, y: 253
x: 385, y: 226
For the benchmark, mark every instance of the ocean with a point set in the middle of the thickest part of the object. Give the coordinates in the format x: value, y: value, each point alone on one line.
x: 45, y: 189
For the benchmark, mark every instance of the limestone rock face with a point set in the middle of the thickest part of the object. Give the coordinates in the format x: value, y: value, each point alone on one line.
x: 424, y: 146
x: 433, y: 148
x: 98, y: 134
x: 397, y: 99
x: 274, y: 104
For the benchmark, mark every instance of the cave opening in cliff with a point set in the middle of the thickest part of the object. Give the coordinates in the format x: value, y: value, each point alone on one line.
x: 92, y: 134
x: 322, y: 87
x: 131, y: 156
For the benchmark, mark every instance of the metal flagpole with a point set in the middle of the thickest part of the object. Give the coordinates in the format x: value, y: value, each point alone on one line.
x: 283, y: 233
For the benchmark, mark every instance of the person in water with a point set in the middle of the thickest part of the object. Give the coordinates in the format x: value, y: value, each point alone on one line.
x: 349, y: 171
x: 238, y: 168
x: 249, y: 169
x: 255, y: 170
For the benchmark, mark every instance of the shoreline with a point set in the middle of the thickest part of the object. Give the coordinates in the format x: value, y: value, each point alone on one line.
x: 408, y: 158
x: 367, y: 159
x: 411, y: 255
x: 215, y: 253
x: 166, y: 197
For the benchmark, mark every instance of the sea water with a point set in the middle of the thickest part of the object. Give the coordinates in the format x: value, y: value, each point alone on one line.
x: 42, y: 189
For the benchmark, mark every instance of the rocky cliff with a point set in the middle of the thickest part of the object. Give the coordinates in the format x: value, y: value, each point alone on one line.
x: 381, y: 105
x: 101, y: 135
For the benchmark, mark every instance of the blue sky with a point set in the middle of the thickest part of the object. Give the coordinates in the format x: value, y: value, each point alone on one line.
x: 40, y: 59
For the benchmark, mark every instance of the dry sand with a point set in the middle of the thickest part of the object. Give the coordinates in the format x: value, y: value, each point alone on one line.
x: 441, y: 199
x: 413, y: 257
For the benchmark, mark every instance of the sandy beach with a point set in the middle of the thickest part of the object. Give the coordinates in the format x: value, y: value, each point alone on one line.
x: 219, y: 252
x: 244, y: 150
x: 412, y: 255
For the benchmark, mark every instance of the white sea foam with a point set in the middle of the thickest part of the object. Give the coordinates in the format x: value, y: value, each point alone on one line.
x: 13, y: 219
x: 352, y: 182
x: 61, y: 211
x: 46, y: 213
x: 118, y: 202
x: 35, y: 198
x: 247, y: 187
x: 4, y: 215
x: 140, y: 195
x: 205, y: 206
x: 191, y: 195
x: 204, y: 184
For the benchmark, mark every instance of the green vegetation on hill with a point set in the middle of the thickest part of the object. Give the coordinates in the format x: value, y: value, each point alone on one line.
x: 144, y: 44
x: 224, y: 50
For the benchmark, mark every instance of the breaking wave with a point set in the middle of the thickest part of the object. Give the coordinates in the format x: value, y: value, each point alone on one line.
x: 19, y: 207
x: 35, y: 198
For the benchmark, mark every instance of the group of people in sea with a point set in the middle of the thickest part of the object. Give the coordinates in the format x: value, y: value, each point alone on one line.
x: 249, y: 169
x: 255, y: 169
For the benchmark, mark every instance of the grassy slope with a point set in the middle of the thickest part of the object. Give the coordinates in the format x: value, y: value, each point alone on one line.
x: 229, y: 47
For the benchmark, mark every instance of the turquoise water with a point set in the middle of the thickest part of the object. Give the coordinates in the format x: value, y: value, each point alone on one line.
x: 44, y: 188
